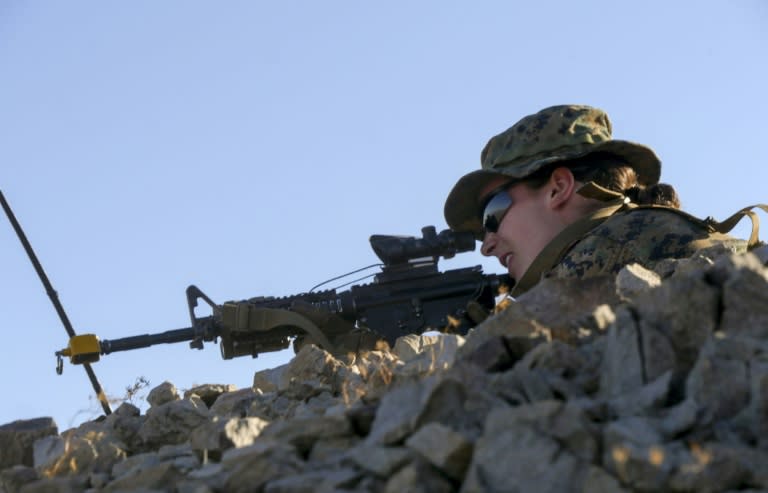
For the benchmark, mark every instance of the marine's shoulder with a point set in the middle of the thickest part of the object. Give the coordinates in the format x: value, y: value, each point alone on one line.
x: 651, y: 220
x: 653, y: 233
x: 643, y: 235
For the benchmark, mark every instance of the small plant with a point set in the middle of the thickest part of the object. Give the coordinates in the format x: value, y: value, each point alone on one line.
x: 132, y: 392
x: 132, y: 396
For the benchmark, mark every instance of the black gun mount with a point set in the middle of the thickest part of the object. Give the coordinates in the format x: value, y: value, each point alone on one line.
x: 402, y: 250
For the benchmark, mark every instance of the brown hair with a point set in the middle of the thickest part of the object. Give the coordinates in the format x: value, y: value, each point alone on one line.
x: 611, y: 172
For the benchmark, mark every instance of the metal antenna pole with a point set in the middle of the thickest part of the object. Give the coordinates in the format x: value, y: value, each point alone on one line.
x: 54, y: 299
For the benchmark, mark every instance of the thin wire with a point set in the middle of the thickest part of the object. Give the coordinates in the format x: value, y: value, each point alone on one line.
x: 347, y: 274
x: 354, y: 281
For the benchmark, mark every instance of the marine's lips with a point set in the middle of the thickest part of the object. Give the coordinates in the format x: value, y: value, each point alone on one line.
x: 506, y: 259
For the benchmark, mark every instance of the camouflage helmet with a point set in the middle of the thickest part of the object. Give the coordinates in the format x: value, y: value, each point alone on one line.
x: 553, y: 134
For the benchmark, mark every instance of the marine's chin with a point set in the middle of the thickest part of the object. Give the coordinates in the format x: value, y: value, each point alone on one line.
x: 508, y: 262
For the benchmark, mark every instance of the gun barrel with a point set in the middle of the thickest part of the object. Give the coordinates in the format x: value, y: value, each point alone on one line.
x: 146, y: 340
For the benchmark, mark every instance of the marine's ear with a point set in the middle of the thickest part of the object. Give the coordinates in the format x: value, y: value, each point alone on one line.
x: 560, y: 188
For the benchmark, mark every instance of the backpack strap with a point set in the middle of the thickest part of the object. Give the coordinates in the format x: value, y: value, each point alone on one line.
x: 727, y: 225
x: 594, y: 191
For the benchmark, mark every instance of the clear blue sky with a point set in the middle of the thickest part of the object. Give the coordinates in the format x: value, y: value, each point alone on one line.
x: 251, y: 148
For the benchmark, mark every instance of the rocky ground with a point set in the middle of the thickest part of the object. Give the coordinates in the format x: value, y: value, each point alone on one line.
x: 649, y: 381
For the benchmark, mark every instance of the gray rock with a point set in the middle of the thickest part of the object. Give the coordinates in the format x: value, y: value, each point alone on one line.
x: 597, y: 480
x: 209, y: 392
x: 447, y: 450
x: 642, y: 467
x: 125, y: 423
x: 14, y: 477
x: 513, y: 455
x: 710, y: 468
x: 135, y: 464
x: 172, y: 422
x: 374, y: 372
x: 234, y: 404
x: 162, y: 476
x: 64, y: 484
x: 187, y: 486
x: 213, y: 475
x: 572, y: 427
x: 634, y: 451
x: 48, y: 451
x: 634, y: 429
x: 534, y: 384
x: 418, y: 477
x: 399, y: 411
x: 622, y: 367
x: 332, y: 449
x: 318, y: 405
x: 221, y: 434
x: 272, y: 406
x: 644, y: 400
x: 761, y: 253
x: 685, y: 310
x: 411, y: 346
x: 249, y: 469
x: 77, y: 451
x: 698, y: 262
x: 575, y: 299
x: 756, y: 413
x: 595, y: 324
x: 162, y: 394
x: 458, y: 399
x: 718, y: 383
x: 551, y: 370
x: 745, y: 295
x: 679, y: 418
x: 578, y: 365
x: 314, y: 368
x: 754, y: 460
x: 532, y: 315
x: 314, y: 482
x: 567, y: 422
x: 170, y: 452
x: 124, y: 410
x: 380, y: 460
x: 18, y: 437
x: 98, y: 479
x: 512, y: 322
x: 302, y: 433
x: 268, y: 380
x: 658, y: 354
x: 435, y: 353
x: 496, y: 353
x: 634, y: 278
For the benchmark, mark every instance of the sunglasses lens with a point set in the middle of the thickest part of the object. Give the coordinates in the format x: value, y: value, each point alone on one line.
x: 495, y: 209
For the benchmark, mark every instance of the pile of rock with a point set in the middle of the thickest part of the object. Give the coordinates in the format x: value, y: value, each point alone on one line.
x: 650, y: 381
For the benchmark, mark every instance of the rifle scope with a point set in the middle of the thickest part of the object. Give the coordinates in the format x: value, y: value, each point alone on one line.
x: 394, y: 250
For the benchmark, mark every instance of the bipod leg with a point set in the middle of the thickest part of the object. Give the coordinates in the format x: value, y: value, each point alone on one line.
x: 54, y: 299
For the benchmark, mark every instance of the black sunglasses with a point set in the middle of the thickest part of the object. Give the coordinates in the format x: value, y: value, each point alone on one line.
x: 496, y: 207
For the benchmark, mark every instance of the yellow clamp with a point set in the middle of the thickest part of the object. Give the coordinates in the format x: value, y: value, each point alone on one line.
x: 83, y: 348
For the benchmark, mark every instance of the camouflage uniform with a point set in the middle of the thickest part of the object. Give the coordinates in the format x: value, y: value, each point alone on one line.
x: 618, y: 234
x: 643, y: 235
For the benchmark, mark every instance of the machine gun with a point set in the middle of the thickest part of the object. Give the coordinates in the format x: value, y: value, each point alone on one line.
x: 408, y: 296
